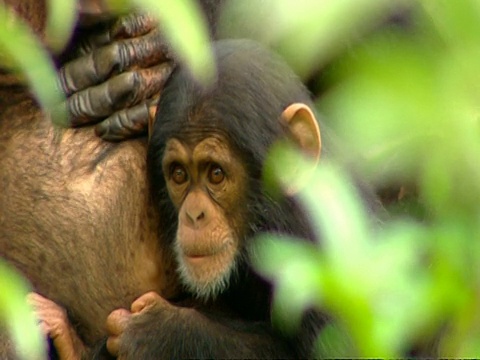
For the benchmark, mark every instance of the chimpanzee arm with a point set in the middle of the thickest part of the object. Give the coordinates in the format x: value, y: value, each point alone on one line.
x: 115, y: 72
x: 162, y: 330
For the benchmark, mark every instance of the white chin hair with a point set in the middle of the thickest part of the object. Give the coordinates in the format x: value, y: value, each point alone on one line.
x: 208, y: 288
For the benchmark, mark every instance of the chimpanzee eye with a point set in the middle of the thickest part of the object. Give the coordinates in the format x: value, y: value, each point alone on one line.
x: 216, y: 174
x: 178, y: 174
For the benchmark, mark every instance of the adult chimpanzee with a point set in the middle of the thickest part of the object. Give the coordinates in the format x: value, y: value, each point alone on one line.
x: 205, y: 163
x: 75, y: 213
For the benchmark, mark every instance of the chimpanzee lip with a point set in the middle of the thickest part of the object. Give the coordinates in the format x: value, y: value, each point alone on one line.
x: 197, y: 253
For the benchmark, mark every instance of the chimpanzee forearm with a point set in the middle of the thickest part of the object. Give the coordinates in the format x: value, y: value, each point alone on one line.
x: 188, y: 333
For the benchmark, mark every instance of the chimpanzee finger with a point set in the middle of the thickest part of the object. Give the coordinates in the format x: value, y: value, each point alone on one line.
x: 112, y: 59
x: 45, y: 309
x: 113, y: 345
x: 133, y: 25
x: 127, y: 123
x: 88, y: 43
x: 34, y: 298
x: 146, y: 300
x: 129, y: 26
x: 118, y: 321
x: 122, y: 91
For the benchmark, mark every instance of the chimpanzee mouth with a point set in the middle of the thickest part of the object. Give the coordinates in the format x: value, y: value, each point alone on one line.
x: 195, y: 256
x: 207, y: 274
x: 196, y: 252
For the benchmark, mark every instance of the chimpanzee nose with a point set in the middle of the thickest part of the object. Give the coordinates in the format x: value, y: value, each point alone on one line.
x: 195, y: 217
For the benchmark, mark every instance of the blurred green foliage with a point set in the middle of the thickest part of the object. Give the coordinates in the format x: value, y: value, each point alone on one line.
x: 61, y: 19
x: 17, y: 315
x: 404, y: 103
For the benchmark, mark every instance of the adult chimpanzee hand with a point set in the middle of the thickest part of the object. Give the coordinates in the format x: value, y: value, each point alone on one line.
x: 54, y: 323
x: 117, y: 77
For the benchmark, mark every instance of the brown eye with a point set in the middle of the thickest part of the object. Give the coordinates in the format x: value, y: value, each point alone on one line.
x: 179, y: 175
x: 216, y: 174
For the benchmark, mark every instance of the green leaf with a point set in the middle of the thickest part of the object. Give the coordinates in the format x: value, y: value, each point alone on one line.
x: 324, y: 28
x: 296, y: 269
x: 61, y: 19
x: 18, y: 316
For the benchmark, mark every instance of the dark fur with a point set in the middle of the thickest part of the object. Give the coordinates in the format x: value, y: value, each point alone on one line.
x: 252, y: 90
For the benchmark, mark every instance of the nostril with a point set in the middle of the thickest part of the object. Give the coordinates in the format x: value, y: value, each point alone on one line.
x: 195, y: 217
x: 201, y: 216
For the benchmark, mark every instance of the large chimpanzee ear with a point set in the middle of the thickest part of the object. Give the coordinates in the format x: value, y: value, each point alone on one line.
x: 304, y: 128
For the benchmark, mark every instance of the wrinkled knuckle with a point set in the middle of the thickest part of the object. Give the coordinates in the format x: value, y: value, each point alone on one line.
x: 112, y: 52
x: 114, y: 123
x: 108, y: 60
x: 131, y: 24
x: 134, y: 24
x: 129, y: 80
x: 128, y: 87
